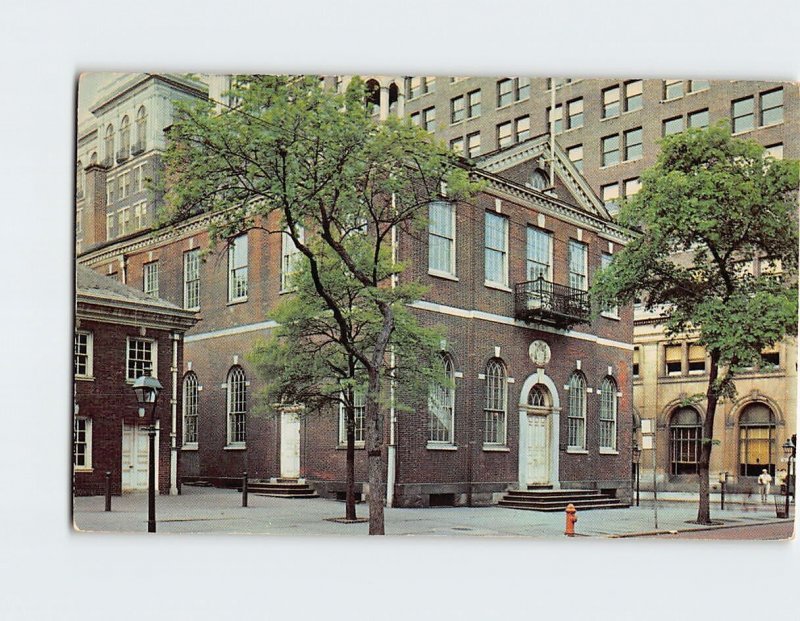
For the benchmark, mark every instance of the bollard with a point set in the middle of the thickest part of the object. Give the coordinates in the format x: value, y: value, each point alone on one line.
x: 572, y: 517
x: 108, y: 490
x: 244, y: 488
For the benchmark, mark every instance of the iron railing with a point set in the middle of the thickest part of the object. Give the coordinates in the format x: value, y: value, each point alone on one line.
x: 543, y: 301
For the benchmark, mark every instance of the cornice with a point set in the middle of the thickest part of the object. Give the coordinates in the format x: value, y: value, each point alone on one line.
x: 134, y: 314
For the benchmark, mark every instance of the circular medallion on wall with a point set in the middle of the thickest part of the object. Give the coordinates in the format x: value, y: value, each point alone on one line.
x: 539, y: 351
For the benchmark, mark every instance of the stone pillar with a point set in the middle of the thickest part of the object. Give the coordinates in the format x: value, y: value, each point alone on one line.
x: 384, y: 109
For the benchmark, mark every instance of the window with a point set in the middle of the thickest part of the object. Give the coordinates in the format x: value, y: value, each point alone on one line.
x: 610, y: 102
x: 685, y: 432
x: 575, y: 113
x: 608, y: 414
x: 775, y: 150
x: 473, y: 144
x: 772, y: 107
x: 673, y: 89
x: 756, y: 440
x: 698, y: 118
x: 743, y: 114
x: 605, y: 261
x: 111, y: 186
x: 141, y: 358
x: 237, y: 406
x: 83, y: 354
x: 522, y: 128
x: 632, y: 186
x: 576, y: 416
x: 109, y: 225
x: 359, y: 427
x: 633, y: 95
x: 441, y: 402
x: 633, y: 144
x: 290, y: 256
x: 237, y: 269
x: 523, y: 88
x: 494, y: 431
x: 538, y: 397
x: 109, y: 146
x: 79, y: 176
x: 457, y: 109
x: 610, y: 195
x: 697, y: 359
x: 415, y: 118
x: 457, y: 146
x: 578, y: 267
x: 557, y: 82
x: 698, y: 85
x: 496, y: 249
x: 442, y: 238
x: 79, y: 222
x: 150, y: 271
x: 138, y: 178
x: 139, y: 215
x: 637, y: 356
x: 141, y: 130
x: 124, y: 138
x: 419, y: 85
x: 191, y: 279
x: 770, y: 359
x: 190, y: 393
x: 672, y: 359
x: 575, y: 155
x: 610, y: 146
x: 473, y: 104
x: 124, y: 221
x: 429, y: 119
x: 538, y: 180
x: 82, y: 443
x: 504, y: 135
x: 505, y: 92
x: 555, y: 119
x: 673, y: 126
x: 539, y: 254
x: 124, y: 184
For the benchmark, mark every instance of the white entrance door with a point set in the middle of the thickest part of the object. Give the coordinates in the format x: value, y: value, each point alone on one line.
x: 538, y: 450
x: 290, y: 445
x: 134, y: 457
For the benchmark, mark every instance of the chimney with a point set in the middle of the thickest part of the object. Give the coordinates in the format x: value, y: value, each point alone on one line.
x: 94, y: 211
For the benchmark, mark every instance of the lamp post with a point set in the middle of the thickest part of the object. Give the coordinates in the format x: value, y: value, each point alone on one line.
x: 146, y: 389
x: 723, y: 479
x: 637, y: 454
x: 788, y: 450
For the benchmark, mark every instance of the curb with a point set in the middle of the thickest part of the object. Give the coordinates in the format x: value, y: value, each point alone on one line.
x: 652, y: 533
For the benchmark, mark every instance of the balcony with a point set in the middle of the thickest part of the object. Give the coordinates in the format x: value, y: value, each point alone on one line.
x: 541, y: 301
x: 122, y: 155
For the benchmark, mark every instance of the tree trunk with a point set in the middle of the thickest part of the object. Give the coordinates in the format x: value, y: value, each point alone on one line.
x: 350, y: 494
x: 374, y: 446
x: 712, y: 398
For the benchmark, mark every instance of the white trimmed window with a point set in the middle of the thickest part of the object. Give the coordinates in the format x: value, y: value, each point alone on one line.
x: 494, y: 430
x: 578, y: 267
x: 442, y: 238
x: 124, y: 185
x: 496, y: 249
x: 772, y: 107
x: 605, y: 261
x: 576, y: 416
x: 139, y: 215
x: 138, y: 178
x: 608, y: 414
x: 441, y: 406
x: 190, y: 394
x: 109, y: 146
x: 540, y: 254
x: 150, y: 272
x: 111, y: 185
x: 290, y: 255
x: 124, y: 221
x: 124, y: 138
x: 673, y: 358
x: 191, y: 279
x: 141, y: 358
x: 673, y: 89
x: 359, y: 428
x: 110, y: 225
x: 237, y: 269
x: 237, y: 406
x: 141, y: 129
x: 83, y: 354
x: 82, y: 443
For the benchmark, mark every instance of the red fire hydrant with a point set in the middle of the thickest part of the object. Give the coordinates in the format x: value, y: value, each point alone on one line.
x: 572, y: 517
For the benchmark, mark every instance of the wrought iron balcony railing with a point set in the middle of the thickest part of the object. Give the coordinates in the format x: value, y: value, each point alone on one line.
x: 545, y: 302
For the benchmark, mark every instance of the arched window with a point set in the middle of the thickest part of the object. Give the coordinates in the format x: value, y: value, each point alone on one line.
x: 125, y: 137
x: 756, y: 440
x: 79, y: 179
x: 441, y: 401
x: 141, y: 130
x: 494, y: 431
x: 539, y: 397
x: 538, y: 180
x: 608, y: 414
x: 576, y: 416
x: 93, y: 158
x: 685, y: 431
x: 237, y: 406
x: 190, y: 408
x: 373, y: 95
x: 109, y: 146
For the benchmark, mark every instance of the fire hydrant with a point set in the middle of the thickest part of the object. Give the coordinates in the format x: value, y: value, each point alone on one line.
x: 572, y: 517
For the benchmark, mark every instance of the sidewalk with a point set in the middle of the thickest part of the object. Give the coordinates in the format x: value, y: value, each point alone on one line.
x: 214, y: 511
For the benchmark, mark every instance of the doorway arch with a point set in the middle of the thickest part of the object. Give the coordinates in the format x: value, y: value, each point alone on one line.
x: 539, y: 423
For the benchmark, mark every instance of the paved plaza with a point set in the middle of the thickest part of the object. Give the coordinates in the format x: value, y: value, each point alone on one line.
x: 213, y: 511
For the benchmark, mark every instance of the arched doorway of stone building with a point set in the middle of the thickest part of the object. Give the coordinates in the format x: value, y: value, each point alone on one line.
x: 539, y: 424
x: 757, y: 446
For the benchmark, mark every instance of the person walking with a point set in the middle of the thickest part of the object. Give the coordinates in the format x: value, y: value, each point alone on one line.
x: 764, y: 481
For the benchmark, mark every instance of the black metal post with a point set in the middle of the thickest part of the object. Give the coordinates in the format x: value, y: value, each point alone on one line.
x: 244, y: 488
x: 151, y: 492
x: 722, y: 495
x: 788, y: 486
x: 637, y: 484
x: 108, y: 490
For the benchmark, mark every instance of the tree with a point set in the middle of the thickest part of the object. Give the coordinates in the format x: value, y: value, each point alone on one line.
x: 304, y: 361
x: 291, y: 157
x: 710, y: 205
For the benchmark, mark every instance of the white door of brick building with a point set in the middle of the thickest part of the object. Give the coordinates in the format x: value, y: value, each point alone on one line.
x: 135, y: 457
x: 290, y: 445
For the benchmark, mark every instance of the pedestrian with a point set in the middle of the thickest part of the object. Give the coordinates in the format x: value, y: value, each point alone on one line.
x: 764, y: 481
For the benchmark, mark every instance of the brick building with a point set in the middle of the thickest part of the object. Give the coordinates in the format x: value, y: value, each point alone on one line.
x: 120, y: 334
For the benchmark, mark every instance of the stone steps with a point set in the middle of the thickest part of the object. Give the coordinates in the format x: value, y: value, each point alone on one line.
x: 557, y: 500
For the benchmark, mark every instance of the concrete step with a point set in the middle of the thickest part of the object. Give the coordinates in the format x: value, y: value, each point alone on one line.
x: 560, y: 509
x: 557, y: 500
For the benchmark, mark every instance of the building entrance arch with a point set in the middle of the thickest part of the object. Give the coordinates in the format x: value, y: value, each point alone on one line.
x: 539, y: 417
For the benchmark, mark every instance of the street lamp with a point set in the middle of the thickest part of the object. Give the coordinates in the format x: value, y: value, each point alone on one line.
x: 637, y: 453
x: 788, y: 450
x: 146, y: 389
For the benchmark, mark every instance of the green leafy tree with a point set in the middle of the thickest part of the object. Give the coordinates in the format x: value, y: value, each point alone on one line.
x: 709, y: 206
x: 292, y: 156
